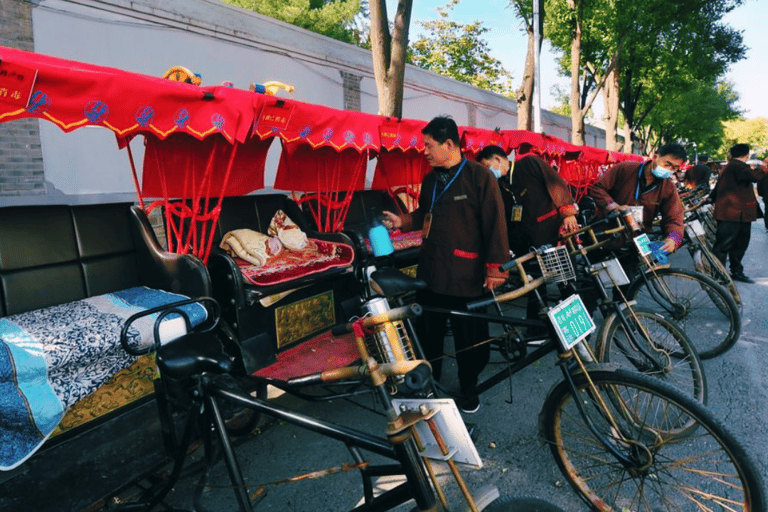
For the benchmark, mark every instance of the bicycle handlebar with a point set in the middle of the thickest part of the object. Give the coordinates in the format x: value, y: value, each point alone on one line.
x: 392, y: 315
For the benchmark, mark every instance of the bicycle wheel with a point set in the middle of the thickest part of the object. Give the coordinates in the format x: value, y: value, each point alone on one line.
x: 704, y: 309
x: 705, y: 470
x: 655, y: 346
x: 708, y: 264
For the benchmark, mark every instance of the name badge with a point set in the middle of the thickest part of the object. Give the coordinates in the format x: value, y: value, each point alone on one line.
x: 517, y: 213
x: 459, y: 198
x: 426, y: 226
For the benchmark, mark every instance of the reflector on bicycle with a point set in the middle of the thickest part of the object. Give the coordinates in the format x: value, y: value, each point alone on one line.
x: 696, y: 227
x: 461, y: 448
x: 572, y: 321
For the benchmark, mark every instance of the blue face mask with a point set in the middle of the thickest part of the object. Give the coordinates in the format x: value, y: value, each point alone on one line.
x: 662, y: 173
x: 496, y: 172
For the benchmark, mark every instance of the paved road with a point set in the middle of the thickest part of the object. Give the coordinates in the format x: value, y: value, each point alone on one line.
x: 515, y: 460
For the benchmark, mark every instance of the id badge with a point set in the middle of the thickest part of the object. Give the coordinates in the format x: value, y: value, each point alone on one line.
x: 517, y: 213
x: 426, y: 226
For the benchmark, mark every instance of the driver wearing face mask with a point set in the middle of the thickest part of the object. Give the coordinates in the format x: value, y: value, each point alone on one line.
x: 647, y: 184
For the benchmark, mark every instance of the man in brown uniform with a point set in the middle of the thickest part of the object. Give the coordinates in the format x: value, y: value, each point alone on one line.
x: 538, y: 206
x: 735, y: 209
x: 646, y: 184
x: 464, y: 240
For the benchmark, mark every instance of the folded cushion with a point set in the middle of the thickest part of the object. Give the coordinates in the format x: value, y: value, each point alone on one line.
x: 291, y: 236
x: 252, y: 246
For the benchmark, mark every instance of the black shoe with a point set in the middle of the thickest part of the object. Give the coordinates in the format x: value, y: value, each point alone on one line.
x: 739, y: 276
x: 470, y: 404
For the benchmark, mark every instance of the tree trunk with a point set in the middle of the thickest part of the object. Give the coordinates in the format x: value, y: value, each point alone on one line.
x: 611, y: 102
x: 525, y: 93
x: 627, y: 137
x: 389, y: 52
x: 577, y: 114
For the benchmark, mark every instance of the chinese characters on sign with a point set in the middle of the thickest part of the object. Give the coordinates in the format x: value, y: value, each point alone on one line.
x: 571, y: 321
x: 16, y: 83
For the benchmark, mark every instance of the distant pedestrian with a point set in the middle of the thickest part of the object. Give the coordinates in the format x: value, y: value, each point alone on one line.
x: 735, y: 209
x: 698, y: 175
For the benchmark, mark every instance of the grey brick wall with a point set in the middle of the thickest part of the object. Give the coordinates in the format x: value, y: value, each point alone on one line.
x: 21, y: 159
x: 351, y: 90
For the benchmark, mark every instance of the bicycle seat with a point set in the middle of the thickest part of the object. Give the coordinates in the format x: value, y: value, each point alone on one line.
x: 391, y: 282
x: 193, y: 354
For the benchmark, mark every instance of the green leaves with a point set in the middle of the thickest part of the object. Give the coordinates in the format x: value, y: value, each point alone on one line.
x: 459, y: 51
x: 332, y: 18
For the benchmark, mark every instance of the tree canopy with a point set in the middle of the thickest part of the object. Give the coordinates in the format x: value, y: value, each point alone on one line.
x: 661, y: 48
x: 339, y: 19
x: 459, y: 51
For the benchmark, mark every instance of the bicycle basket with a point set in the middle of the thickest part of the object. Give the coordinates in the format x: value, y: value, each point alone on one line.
x: 556, y: 264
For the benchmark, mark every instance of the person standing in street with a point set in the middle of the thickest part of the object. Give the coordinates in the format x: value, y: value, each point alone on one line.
x: 735, y: 209
x: 538, y: 206
x: 464, y: 240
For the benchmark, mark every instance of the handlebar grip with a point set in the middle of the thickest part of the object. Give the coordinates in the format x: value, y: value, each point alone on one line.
x: 338, y: 330
x: 508, y: 265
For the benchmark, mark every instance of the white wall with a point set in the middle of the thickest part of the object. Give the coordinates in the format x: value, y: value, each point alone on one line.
x: 222, y: 42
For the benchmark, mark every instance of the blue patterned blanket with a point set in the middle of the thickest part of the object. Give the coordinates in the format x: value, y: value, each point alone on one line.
x: 51, y: 358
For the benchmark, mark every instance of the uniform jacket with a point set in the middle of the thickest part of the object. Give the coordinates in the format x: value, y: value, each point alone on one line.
x: 620, y: 185
x: 467, y: 233
x: 735, y: 193
x: 545, y: 198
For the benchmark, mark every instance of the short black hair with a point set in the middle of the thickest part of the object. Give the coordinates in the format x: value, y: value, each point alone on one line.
x: 703, y: 159
x: 442, y: 128
x: 489, y: 152
x: 739, y: 150
x: 674, y: 149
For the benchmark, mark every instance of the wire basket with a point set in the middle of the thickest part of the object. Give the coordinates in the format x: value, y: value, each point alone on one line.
x: 556, y: 264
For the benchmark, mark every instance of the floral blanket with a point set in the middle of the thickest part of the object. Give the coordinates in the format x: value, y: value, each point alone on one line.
x: 53, y: 357
x: 317, y: 256
x: 401, y: 240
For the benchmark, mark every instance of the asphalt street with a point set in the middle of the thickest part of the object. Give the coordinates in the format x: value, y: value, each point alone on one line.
x: 515, y: 460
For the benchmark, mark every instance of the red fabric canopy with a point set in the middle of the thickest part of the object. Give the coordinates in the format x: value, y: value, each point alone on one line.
x: 317, y: 126
x: 73, y: 94
x: 183, y: 167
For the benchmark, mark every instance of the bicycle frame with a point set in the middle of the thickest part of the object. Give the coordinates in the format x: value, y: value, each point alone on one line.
x: 402, y: 444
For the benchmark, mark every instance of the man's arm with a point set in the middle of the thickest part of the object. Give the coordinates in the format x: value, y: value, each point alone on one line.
x: 672, y: 220
x: 602, y: 189
x: 494, y: 226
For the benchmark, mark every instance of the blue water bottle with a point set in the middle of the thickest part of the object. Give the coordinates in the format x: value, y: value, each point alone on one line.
x: 381, y: 244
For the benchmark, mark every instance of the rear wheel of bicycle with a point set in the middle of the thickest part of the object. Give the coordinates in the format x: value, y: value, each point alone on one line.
x: 708, y: 264
x: 704, y: 309
x: 520, y: 504
x: 652, y: 345
x: 636, y: 463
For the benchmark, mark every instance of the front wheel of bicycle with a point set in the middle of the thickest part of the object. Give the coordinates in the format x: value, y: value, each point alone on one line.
x: 651, y: 344
x: 635, y: 462
x: 708, y: 264
x: 704, y: 309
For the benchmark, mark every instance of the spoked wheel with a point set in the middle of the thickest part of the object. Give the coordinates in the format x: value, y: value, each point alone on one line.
x: 653, y: 345
x: 708, y: 264
x: 704, y: 309
x: 520, y: 504
x: 638, y: 462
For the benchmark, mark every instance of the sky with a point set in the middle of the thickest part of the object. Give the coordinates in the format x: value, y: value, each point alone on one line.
x: 508, y: 43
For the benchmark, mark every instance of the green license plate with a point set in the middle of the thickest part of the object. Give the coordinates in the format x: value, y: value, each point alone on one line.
x: 572, y: 321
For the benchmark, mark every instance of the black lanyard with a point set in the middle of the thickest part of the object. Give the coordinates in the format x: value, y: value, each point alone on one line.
x: 434, y: 190
x: 640, y: 177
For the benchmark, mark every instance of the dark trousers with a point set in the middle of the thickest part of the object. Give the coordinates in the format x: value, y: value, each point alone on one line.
x: 731, y: 242
x: 431, y: 329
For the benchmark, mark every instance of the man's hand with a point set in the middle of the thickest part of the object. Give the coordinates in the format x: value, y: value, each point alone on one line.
x: 669, y: 246
x: 494, y: 277
x: 569, y: 225
x: 392, y: 221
